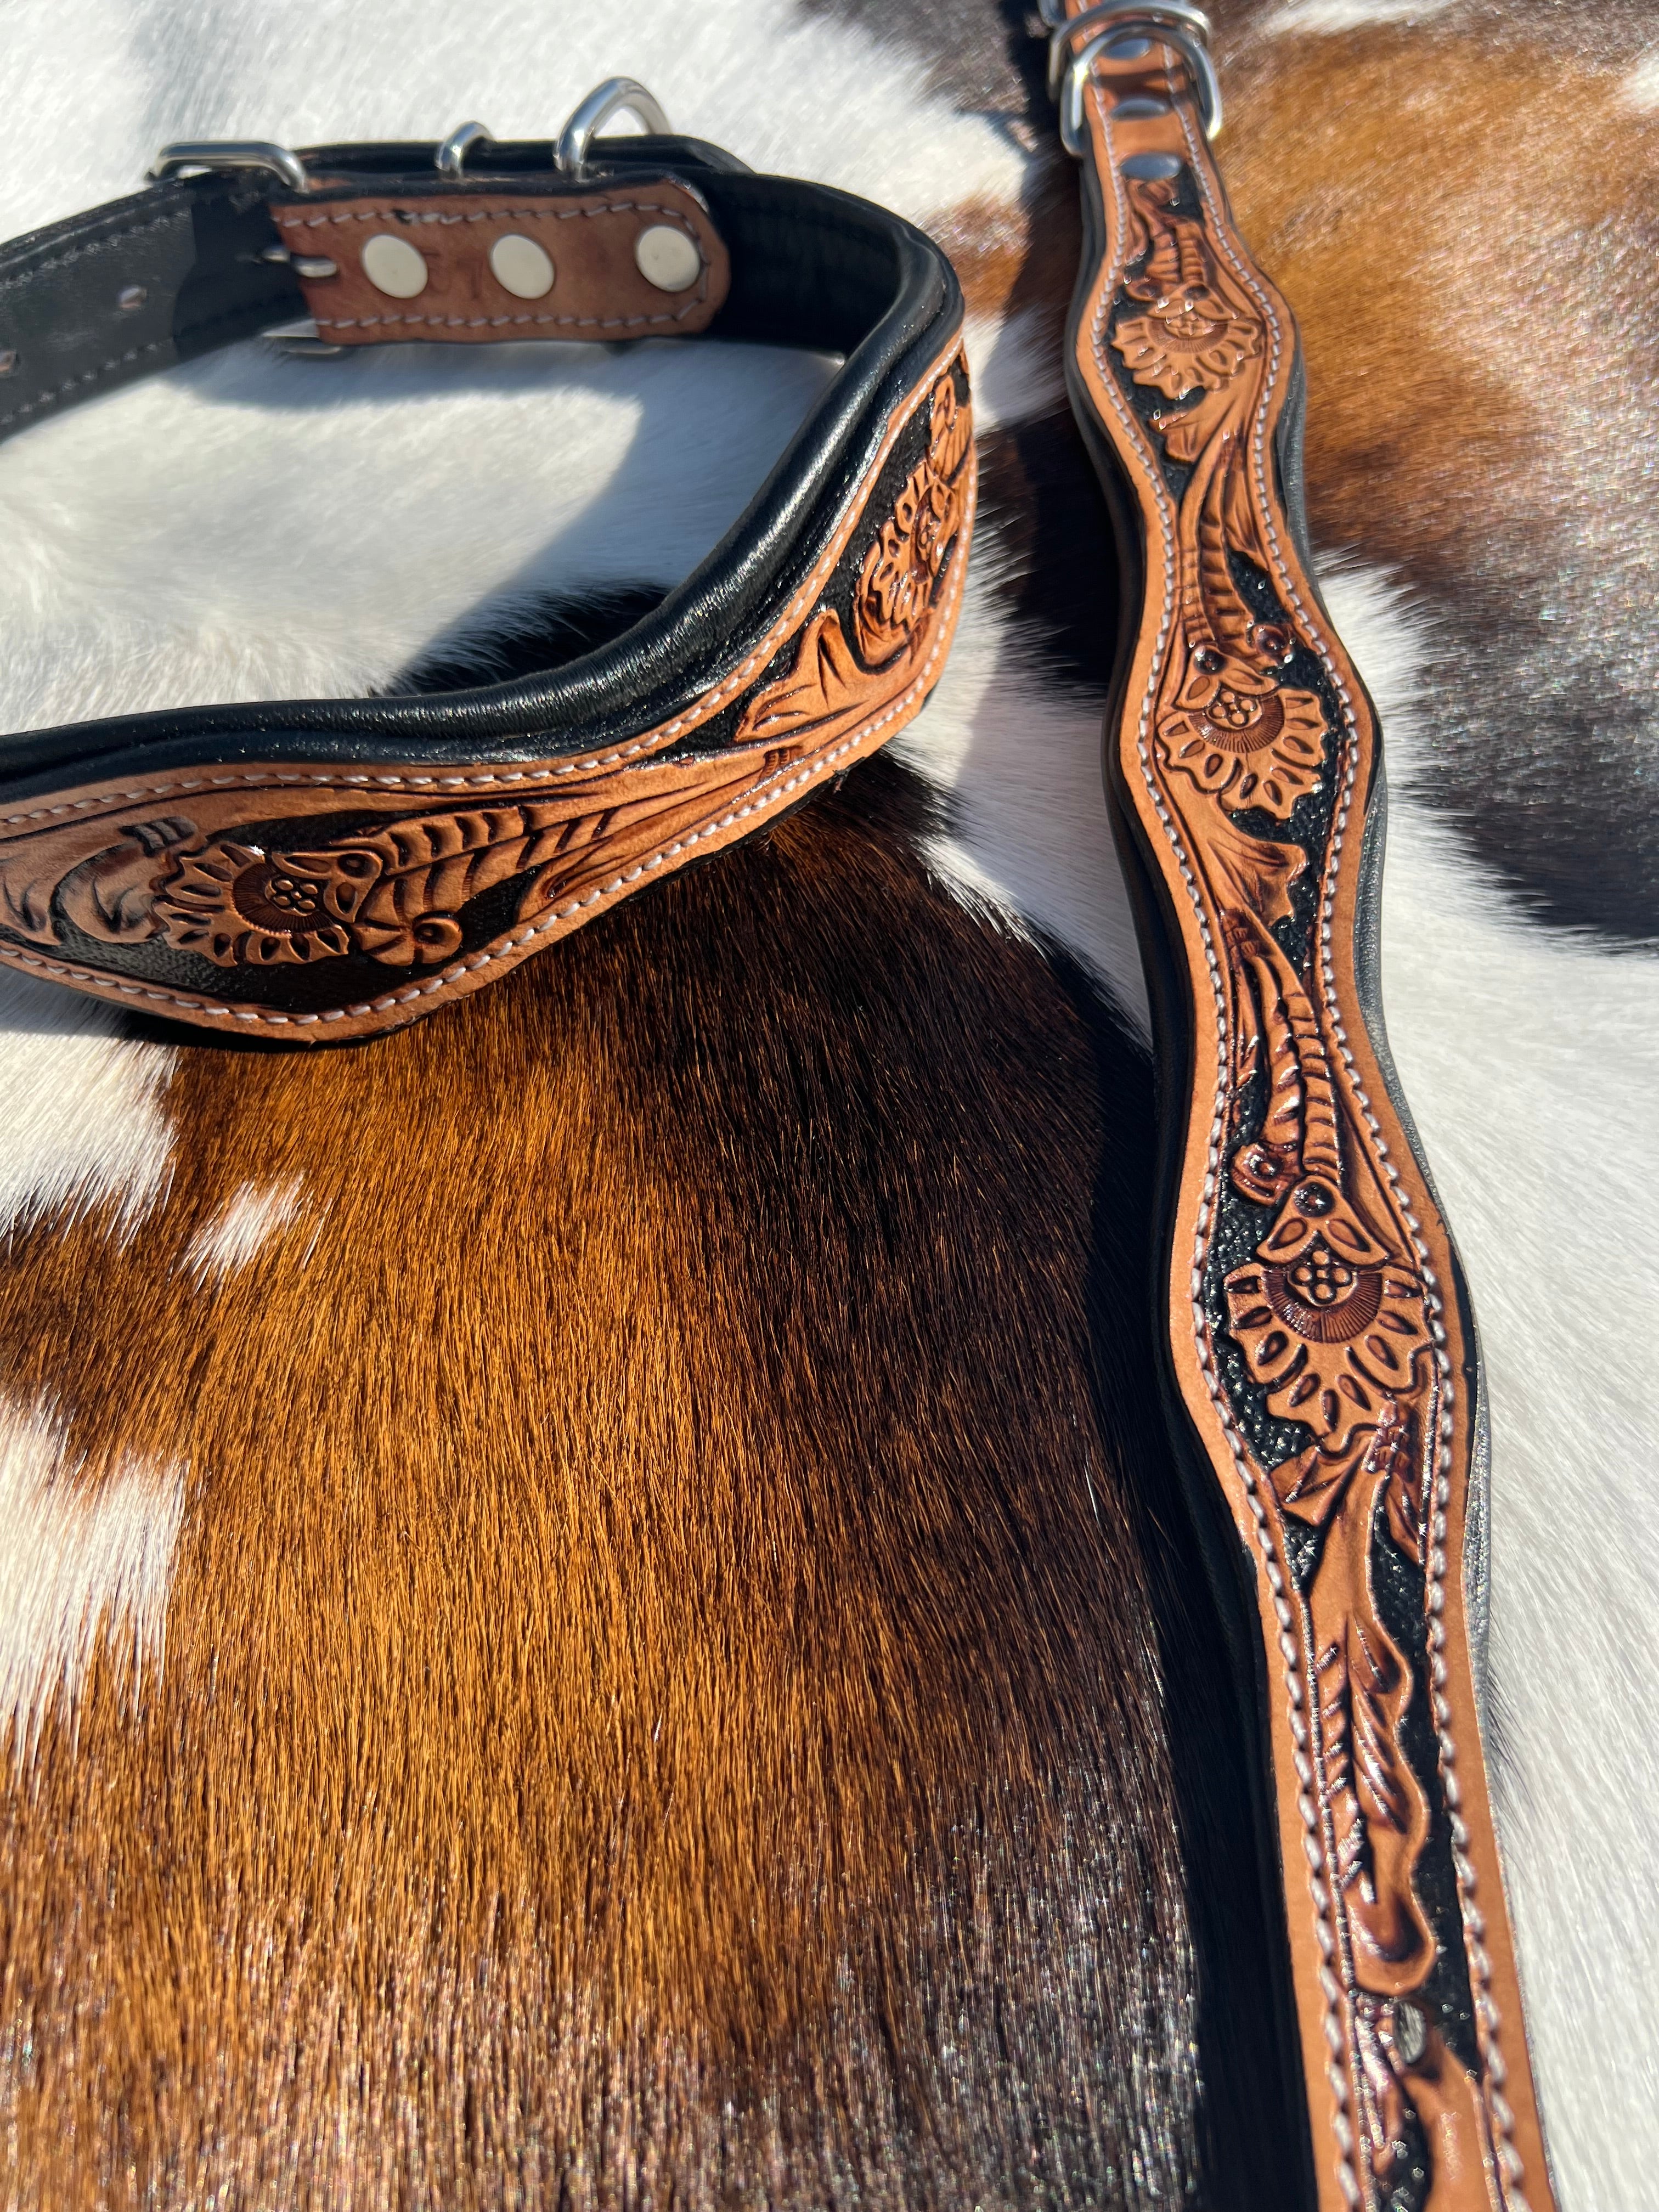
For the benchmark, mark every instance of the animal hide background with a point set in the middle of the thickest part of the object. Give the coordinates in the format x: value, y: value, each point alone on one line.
x: 590, y: 1608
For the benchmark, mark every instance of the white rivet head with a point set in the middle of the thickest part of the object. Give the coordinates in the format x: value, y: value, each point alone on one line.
x: 521, y: 267
x: 667, y: 257
x: 393, y: 266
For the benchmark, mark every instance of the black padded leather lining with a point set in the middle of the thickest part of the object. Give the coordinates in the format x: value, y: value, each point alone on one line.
x: 185, y: 258
x: 811, y: 267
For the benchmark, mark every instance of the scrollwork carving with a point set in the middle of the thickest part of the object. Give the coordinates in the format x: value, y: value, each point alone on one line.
x: 395, y: 892
x: 1329, y: 1314
x: 830, y: 683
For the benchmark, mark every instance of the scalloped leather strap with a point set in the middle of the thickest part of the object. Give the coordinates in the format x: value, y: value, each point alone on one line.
x: 1321, y: 1354
x: 319, y: 869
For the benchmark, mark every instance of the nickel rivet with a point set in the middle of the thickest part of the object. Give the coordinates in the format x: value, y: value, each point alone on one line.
x: 1411, y: 2031
x: 667, y: 258
x: 522, y: 267
x: 393, y: 266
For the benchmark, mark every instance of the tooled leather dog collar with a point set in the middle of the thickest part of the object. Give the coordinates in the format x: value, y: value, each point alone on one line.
x: 1322, y: 1374
x: 314, y: 870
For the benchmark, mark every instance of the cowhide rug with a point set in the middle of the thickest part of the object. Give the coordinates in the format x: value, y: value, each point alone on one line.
x: 592, y: 1611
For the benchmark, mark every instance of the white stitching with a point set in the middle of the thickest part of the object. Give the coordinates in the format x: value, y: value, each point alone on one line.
x: 708, y: 703
x: 1298, y: 1688
x: 1467, y: 1880
x: 503, y: 322
x: 72, y: 253
x: 85, y: 376
x: 391, y: 210
x: 759, y: 796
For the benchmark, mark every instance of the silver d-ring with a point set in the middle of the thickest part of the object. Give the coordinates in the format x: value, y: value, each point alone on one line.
x: 450, y: 159
x: 218, y: 154
x: 605, y: 100
x: 1130, y: 20
x: 1093, y: 19
x: 1052, y: 16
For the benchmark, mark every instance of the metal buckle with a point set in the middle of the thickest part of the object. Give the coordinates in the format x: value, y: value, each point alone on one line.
x: 231, y: 153
x: 223, y: 154
x: 570, y: 156
x: 1167, y: 21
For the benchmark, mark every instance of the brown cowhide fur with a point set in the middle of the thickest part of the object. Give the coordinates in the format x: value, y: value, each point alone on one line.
x: 662, y: 1695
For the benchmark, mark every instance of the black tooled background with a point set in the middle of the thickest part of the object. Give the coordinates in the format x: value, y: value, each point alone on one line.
x: 1239, y: 1228
x: 325, y: 984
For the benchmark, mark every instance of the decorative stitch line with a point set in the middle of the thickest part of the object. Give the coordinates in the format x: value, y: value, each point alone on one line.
x: 72, y: 253
x: 502, y: 322
x: 87, y: 376
x: 1298, y: 1688
x: 651, y: 741
x: 394, y: 209
x: 759, y: 796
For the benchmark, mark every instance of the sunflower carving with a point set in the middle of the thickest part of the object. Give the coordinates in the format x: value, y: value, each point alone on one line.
x: 901, y: 570
x: 1244, y: 741
x: 1331, y: 1325
x: 1189, y: 341
x: 238, y: 904
x: 831, y: 685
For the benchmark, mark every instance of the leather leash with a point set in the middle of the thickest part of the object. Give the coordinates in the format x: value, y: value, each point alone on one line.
x: 311, y: 869
x: 1322, y: 1368
x: 331, y: 868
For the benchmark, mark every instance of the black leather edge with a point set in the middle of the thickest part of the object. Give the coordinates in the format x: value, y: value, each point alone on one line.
x: 1258, y: 2130
x: 810, y: 266
x: 185, y: 255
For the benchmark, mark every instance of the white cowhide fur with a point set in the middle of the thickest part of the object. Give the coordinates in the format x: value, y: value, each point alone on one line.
x: 256, y: 526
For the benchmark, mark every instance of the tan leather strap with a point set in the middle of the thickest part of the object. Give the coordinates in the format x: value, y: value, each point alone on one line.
x: 518, y: 264
x: 1320, y: 1346
x: 370, y: 877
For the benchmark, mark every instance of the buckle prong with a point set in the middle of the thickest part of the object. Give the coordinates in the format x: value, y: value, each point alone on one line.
x: 218, y: 154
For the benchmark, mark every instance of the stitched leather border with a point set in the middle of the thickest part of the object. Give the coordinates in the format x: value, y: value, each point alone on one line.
x: 597, y: 291
x: 312, y: 885
x: 1318, y: 1341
